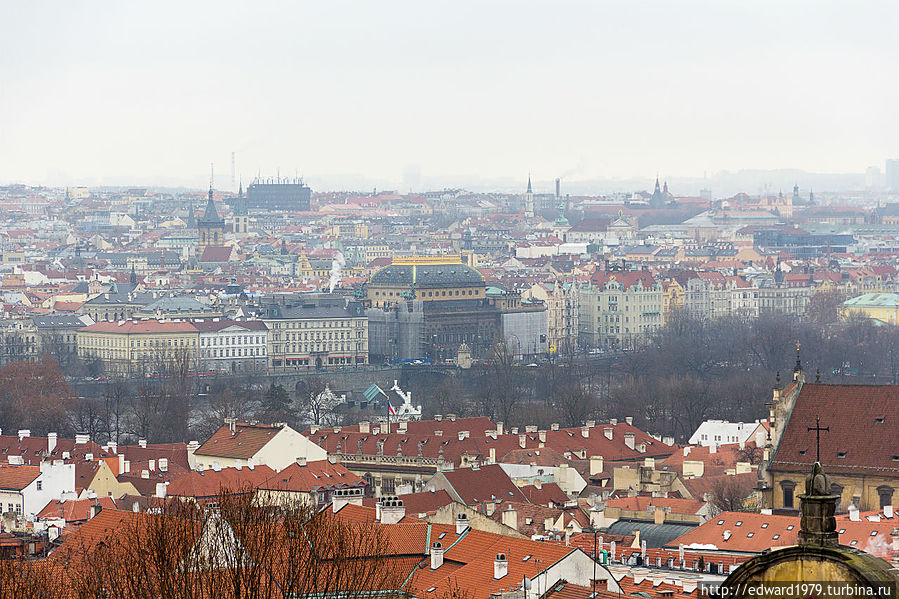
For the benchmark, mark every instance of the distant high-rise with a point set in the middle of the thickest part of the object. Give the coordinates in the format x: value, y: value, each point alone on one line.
x: 892, y: 174
x: 277, y: 194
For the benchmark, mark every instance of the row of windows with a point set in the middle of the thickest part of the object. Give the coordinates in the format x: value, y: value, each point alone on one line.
x: 237, y: 352
x: 326, y: 324
x: 320, y: 336
x: 316, y: 347
x: 236, y: 340
x: 432, y: 293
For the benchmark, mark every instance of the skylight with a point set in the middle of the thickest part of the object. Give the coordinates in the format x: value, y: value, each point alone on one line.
x: 775, y: 537
x: 431, y: 590
x: 750, y: 535
x: 842, y: 530
x: 790, y: 527
x: 841, y: 454
x: 765, y: 525
x: 526, y: 558
x: 720, y: 522
x: 739, y: 523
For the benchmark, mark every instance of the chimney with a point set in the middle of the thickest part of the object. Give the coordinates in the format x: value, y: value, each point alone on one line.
x: 542, y: 436
x: 531, y: 428
x: 16, y: 460
x: 80, y: 438
x: 853, y: 514
x: 89, y: 457
x: 121, y: 463
x: 436, y: 555
x: 499, y: 428
x: 713, y: 448
x: 658, y: 516
x: 585, y: 432
x: 94, y: 510
x: 461, y: 523
x: 192, y: 447
x: 726, y: 534
x: 490, y: 508
x: 163, y: 464
x: 607, y: 431
x: 613, y: 421
x: 392, y: 510
x: 145, y: 474
x: 463, y: 435
x: 649, y: 463
x: 687, y: 450
x: 538, y: 484
x: 629, y: 420
x: 510, y: 518
x: 402, y: 427
x: 500, y: 566
x: 251, y: 464
x: 888, y: 511
x: 301, y: 461
x: 161, y: 490
x: 112, y: 447
x: 522, y: 441
x: 232, y: 425
x: 513, y: 430
x: 365, y: 427
x: 142, y: 442
x: 438, y: 417
x: 554, y: 426
x: 342, y: 497
x: 217, y: 466
x: 629, y: 440
x: 51, y: 442
x: 596, y: 465
x: 590, y: 423
x: 151, y: 465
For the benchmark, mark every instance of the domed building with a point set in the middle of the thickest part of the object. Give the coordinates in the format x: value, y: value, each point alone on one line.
x: 426, y: 278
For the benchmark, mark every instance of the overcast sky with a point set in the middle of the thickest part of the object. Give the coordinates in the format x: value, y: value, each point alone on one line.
x: 358, y: 91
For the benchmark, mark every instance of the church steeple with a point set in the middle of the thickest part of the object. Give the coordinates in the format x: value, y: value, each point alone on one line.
x: 530, y: 190
x: 529, y: 200
x: 657, y: 190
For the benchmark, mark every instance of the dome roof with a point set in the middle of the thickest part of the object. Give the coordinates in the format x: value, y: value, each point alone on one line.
x: 428, y: 276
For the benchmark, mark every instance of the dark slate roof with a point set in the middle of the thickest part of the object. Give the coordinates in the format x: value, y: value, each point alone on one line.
x: 428, y: 276
x: 655, y: 535
x: 211, y: 216
x: 59, y: 321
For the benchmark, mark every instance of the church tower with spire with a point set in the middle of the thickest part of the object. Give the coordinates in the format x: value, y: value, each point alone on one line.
x: 529, y: 200
x: 241, y: 218
x: 211, y: 226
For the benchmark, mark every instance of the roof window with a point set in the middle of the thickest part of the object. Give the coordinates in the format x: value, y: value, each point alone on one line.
x: 739, y: 523
x: 841, y: 454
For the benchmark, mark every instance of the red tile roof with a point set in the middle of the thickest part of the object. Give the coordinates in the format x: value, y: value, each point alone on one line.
x: 483, y: 484
x: 863, y: 425
x: 314, y: 476
x: 210, y: 483
x: 247, y: 440
x: 419, y: 503
x: 17, y: 477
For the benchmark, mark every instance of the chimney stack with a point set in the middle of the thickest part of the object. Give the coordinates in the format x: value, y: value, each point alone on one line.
x: 142, y: 442
x: 342, y: 497
x: 596, y: 465
x: 501, y: 564
x: 436, y: 555
x: 522, y: 441
x: 585, y: 432
x: 301, y: 461
x: 51, y: 442
x: 510, y: 518
x: 392, y: 510
x: 629, y: 440
x: 461, y: 523
x: 163, y: 464
x: 608, y: 432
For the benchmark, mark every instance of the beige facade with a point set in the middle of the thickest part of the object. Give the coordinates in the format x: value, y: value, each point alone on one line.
x: 144, y: 346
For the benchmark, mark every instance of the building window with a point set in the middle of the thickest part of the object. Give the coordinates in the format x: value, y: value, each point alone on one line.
x: 788, y: 487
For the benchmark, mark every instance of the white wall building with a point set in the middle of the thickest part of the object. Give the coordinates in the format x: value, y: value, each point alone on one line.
x: 25, y: 489
x: 720, y: 432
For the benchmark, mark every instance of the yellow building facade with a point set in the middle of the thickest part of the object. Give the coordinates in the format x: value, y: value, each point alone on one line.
x: 139, y: 346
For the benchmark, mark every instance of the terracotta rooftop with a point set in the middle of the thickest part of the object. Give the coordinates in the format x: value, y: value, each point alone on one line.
x: 245, y: 442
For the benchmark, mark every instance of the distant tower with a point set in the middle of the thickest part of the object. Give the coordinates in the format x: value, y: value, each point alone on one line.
x: 796, y: 199
x: 211, y: 227
x: 658, y: 198
x: 241, y: 216
x: 811, y: 198
x: 529, y: 200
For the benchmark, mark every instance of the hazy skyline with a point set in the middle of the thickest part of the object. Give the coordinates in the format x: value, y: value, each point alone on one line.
x: 350, y: 93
